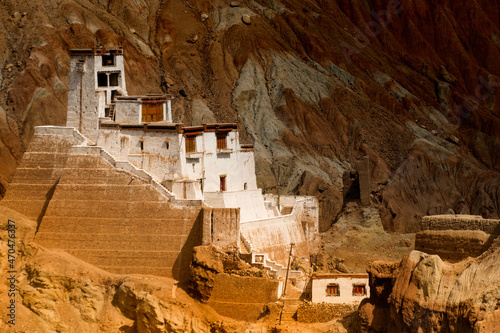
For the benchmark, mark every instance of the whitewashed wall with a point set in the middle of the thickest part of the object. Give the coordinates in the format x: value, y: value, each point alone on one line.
x: 346, y: 286
x: 162, y: 161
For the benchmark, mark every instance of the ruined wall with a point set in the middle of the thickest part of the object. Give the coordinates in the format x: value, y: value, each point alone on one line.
x: 118, y: 221
x: 456, y: 237
x: 460, y: 222
x: 242, y: 298
x: 225, y: 226
x: 40, y: 169
x: 453, y: 245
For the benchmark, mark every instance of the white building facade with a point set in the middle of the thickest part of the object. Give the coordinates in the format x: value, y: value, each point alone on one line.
x: 204, y: 162
x: 340, y: 288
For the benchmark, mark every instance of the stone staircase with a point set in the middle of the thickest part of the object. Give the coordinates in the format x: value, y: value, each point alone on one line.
x: 291, y: 302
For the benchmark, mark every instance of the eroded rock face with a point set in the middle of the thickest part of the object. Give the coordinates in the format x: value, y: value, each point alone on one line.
x: 317, y: 86
x: 423, y: 293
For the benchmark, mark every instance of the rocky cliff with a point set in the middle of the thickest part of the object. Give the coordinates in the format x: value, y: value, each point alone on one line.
x: 421, y: 293
x: 316, y: 85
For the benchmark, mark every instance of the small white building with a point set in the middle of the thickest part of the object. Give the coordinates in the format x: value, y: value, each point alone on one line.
x: 340, y: 288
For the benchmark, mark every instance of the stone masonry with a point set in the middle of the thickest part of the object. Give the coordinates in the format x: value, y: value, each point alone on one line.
x: 39, y: 171
x: 118, y: 222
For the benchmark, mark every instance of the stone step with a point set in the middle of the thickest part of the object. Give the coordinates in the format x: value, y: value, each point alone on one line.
x: 111, y: 225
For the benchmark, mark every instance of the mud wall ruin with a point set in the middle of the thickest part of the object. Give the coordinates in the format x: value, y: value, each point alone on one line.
x: 241, y: 297
x: 456, y: 237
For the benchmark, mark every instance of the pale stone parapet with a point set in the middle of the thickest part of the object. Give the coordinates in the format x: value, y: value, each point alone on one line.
x: 60, y: 130
x: 128, y: 167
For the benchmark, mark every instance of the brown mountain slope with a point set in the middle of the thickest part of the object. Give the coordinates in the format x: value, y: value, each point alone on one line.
x: 315, y: 84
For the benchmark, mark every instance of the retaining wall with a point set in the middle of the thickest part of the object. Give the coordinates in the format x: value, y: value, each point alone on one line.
x: 242, y: 298
x: 118, y: 220
x: 274, y: 235
x: 40, y: 168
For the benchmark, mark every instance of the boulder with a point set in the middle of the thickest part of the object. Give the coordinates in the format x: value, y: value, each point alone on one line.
x: 447, y: 76
x: 246, y: 19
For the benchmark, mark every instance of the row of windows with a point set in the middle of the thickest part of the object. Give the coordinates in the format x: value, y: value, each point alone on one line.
x: 108, y: 79
x: 191, y: 142
x: 357, y: 290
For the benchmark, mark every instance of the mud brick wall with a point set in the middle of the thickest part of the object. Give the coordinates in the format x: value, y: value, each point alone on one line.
x: 225, y: 226
x: 119, y: 222
x: 323, y: 312
x: 241, y: 297
x: 39, y: 170
x: 453, y: 245
x: 460, y: 222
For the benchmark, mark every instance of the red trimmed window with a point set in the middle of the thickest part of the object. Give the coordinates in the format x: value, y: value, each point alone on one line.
x: 333, y: 290
x: 358, y: 290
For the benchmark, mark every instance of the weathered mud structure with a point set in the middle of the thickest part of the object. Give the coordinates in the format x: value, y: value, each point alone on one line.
x: 124, y: 188
x: 456, y: 237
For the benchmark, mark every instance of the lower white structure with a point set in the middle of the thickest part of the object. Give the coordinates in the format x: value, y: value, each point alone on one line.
x: 340, y: 288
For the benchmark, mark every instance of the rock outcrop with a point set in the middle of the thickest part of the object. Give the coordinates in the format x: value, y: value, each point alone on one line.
x: 421, y: 293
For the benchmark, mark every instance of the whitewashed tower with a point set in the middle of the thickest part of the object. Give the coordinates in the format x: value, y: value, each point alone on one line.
x: 96, y: 79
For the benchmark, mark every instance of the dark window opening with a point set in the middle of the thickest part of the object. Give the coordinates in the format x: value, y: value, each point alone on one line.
x: 358, y: 290
x: 333, y: 289
x: 245, y: 186
x: 114, y: 94
x: 106, y: 112
x: 108, y: 60
x: 221, y: 140
x: 102, y: 80
x: 190, y: 144
x: 222, y: 183
x: 167, y: 144
x: 113, y: 79
x: 141, y: 144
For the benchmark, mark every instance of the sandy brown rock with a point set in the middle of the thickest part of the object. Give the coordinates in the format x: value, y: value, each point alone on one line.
x: 421, y: 292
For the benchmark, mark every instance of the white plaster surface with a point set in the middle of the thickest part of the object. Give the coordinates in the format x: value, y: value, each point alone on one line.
x: 345, y: 283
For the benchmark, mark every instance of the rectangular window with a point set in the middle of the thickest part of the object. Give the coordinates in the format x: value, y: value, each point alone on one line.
x: 222, y: 183
x: 114, y: 79
x: 191, y: 144
x: 221, y: 140
x: 152, y: 112
x: 358, y: 290
x: 108, y: 60
x: 102, y: 80
x: 333, y: 290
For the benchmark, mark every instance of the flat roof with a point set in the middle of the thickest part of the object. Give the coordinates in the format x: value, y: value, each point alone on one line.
x: 96, y: 51
x: 340, y: 275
